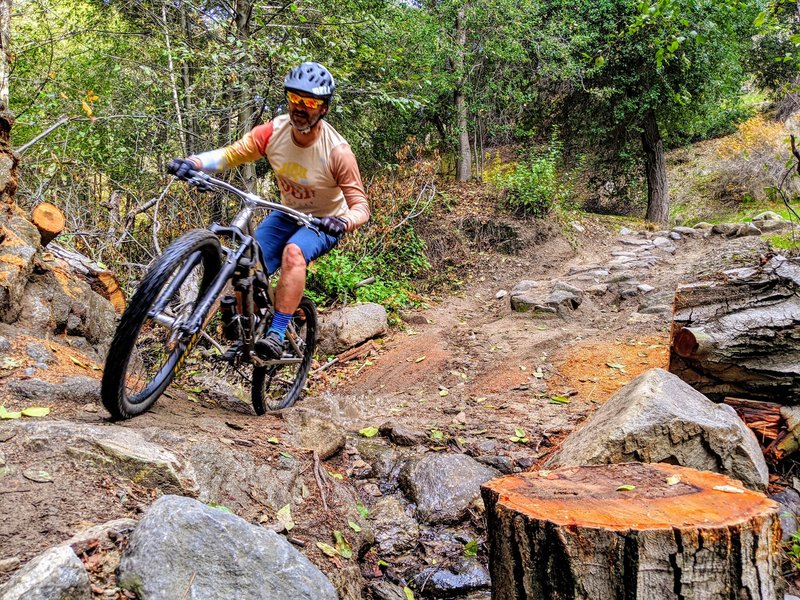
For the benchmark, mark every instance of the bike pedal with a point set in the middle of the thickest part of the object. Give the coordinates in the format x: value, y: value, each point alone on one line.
x: 232, y: 353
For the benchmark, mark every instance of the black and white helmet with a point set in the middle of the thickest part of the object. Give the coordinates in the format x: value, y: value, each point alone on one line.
x: 311, y: 78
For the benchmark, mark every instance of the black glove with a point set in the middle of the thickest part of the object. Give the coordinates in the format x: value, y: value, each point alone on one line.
x: 180, y: 167
x: 334, y: 226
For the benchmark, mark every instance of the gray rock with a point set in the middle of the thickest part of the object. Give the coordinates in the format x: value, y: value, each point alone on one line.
x: 643, y: 287
x: 577, y: 226
x: 72, y: 389
x: 597, y: 289
x: 395, y: 531
x: 659, y: 299
x: 625, y: 231
x: 769, y: 226
x: 656, y: 309
x: 659, y: 418
x: 465, y: 576
x: 725, y: 228
x: 789, y: 499
x: 315, y: 433
x: 386, y: 590
x: 342, y: 329
x: 595, y: 271
x: 684, y: 230
x: 113, y: 528
x: 563, y: 286
x: 183, y: 544
x: 658, y: 242
x: 703, y: 225
x: 635, y: 242
x: 385, y: 461
x: 401, y: 434
x: 5, y: 345
x: 768, y: 215
x: 40, y: 353
x: 444, y: 486
x: 746, y: 229
x: 674, y: 235
x: 504, y: 464
x: 57, y: 574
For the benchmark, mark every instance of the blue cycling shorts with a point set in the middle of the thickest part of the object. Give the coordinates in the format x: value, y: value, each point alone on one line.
x: 278, y: 230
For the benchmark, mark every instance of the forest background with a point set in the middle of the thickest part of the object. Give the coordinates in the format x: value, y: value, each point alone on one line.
x: 545, y: 106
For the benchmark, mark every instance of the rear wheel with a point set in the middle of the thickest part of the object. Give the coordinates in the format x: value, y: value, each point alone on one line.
x: 279, y: 385
x: 150, y: 343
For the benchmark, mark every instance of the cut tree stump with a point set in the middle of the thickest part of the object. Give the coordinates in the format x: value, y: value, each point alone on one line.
x: 739, y: 333
x: 100, y: 279
x: 49, y: 220
x: 583, y: 533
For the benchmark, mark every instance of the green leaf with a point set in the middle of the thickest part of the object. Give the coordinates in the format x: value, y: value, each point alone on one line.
x: 368, y: 432
x: 409, y: 593
x: 626, y: 488
x: 559, y: 400
x: 286, y: 454
x: 354, y: 526
x: 436, y: 434
x: 341, y: 545
x: 760, y: 19
x: 471, y: 548
x: 36, y: 411
x: 383, y: 563
x: 273, y: 440
x: 327, y: 549
x: 221, y: 507
x: 5, y: 414
x: 362, y: 510
x: 284, y: 515
x: 336, y: 475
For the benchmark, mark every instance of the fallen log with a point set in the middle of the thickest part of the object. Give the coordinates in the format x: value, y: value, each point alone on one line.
x: 738, y: 334
x: 49, y: 220
x: 100, y: 279
x: 633, y: 531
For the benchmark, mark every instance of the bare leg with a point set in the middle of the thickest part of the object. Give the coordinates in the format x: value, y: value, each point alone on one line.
x: 292, y: 281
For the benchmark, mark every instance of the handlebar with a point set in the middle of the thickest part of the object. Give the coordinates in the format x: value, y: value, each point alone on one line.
x: 201, y: 179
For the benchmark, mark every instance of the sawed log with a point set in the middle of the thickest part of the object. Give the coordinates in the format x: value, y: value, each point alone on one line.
x: 101, y: 280
x: 49, y: 220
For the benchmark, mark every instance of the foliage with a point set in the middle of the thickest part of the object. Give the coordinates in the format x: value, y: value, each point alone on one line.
x: 775, y: 55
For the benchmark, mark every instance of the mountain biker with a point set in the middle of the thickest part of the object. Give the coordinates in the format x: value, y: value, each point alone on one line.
x: 317, y: 173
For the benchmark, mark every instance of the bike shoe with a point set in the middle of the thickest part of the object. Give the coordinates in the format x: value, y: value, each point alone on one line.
x: 270, y: 346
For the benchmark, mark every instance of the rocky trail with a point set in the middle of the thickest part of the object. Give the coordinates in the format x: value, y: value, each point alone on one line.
x: 379, y: 465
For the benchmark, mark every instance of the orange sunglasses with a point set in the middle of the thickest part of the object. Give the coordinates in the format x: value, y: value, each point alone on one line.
x: 309, y: 102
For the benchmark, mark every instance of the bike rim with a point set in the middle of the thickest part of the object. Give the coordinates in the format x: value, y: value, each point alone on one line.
x: 284, y: 380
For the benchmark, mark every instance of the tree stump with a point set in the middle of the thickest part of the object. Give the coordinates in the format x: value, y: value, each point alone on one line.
x: 739, y: 333
x: 582, y: 533
x: 49, y: 220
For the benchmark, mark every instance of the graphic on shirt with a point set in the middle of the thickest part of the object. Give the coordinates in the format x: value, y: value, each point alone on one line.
x: 289, y: 176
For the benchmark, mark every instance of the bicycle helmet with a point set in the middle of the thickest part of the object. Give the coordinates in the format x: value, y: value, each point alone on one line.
x: 311, y: 78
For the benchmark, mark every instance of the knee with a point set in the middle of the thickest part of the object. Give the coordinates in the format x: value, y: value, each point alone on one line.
x: 293, y: 257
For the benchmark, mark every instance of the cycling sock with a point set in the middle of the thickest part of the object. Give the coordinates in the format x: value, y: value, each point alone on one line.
x: 279, y: 323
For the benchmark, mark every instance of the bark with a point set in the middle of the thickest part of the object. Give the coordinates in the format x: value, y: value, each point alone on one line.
x: 572, y: 533
x: 656, y: 169
x: 187, y: 77
x: 8, y: 160
x: 49, y: 220
x: 244, y: 11
x: 464, y: 162
x: 738, y: 334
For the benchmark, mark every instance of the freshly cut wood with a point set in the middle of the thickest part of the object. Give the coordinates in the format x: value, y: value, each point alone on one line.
x: 738, y: 334
x: 99, y: 278
x: 49, y: 220
x: 633, y: 531
x: 763, y: 418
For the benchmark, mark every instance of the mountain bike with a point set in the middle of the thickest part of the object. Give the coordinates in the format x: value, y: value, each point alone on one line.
x: 210, y: 278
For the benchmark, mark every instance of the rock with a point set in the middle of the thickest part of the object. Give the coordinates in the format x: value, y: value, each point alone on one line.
x: 658, y: 242
x: 789, y: 499
x: 20, y: 241
x: 768, y: 226
x: 685, y: 230
x: 5, y: 345
x: 703, y: 225
x: 504, y: 464
x: 315, y: 433
x: 563, y: 286
x: 597, y: 289
x: 768, y: 215
x: 645, y: 288
x: 465, y: 576
x: 656, y: 309
x: 386, y: 590
x: 659, y: 418
x: 9, y: 564
x: 40, y: 353
x: 385, y: 461
x: 674, y: 235
x: 725, y: 228
x: 635, y: 242
x: 395, y: 532
x: 73, y: 389
x: 401, y: 434
x: 347, y: 327
x: 57, y: 574
x: 444, y: 486
x: 746, y: 229
x: 183, y: 544
x: 625, y: 231
x: 118, y: 450
x: 501, y: 294
x: 658, y: 299
x: 111, y: 529
x: 577, y: 226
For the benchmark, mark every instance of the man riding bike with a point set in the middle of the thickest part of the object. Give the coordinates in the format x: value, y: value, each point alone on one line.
x: 317, y: 173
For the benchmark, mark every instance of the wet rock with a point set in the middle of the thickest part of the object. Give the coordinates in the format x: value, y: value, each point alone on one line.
x: 659, y: 418
x: 395, y: 532
x: 465, y: 576
x: 57, y: 574
x: 386, y: 462
x: 180, y: 540
x: 444, y: 486
x: 315, y: 433
x: 347, y: 327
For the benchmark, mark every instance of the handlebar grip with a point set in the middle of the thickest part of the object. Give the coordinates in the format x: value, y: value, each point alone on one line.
x: 315, y: 222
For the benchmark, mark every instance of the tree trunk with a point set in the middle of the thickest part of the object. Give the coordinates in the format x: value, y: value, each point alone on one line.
x: 8, y: 160
x: 656, y: 168
x: 101, y: 280
x: 739, y: 333
x: 187, y: 76
x: 674, y: 533
x: 244, y: 10
x: 49, y: 220
x: 464, y: 162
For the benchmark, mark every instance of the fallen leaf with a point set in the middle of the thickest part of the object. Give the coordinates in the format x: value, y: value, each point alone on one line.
x: 273, y: 440
x: 327, y: 549
x: 341, y: 545
x: 420, y: 359
x: 8, y: 363
x: 443, y: 393
x: 37, y: 475
x: 5, y: 414
x: 559, y: 400
x: 471, y: 548
x: 673, y: 479
x: 409, y: 593
x: 544, y: 473
x: 221, y: 507
x: 336, y: 475
x: 368, y: 432
x: 616, y: 366
x: 36, y: 411
x: 728, y: 488
x: 284, y: 515
x: 626, y: 488
x: 286, y: 454
x: 362, y: 510
x: 76, y: 361
x: 354, y: 526
x: 538, y: 373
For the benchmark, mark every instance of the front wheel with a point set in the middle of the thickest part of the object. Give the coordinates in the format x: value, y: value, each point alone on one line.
x: 280, y: 384
x: 151, y: 341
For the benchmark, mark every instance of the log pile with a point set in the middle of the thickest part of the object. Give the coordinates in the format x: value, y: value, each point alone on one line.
x: 634, y: 531
x: 738, y: 334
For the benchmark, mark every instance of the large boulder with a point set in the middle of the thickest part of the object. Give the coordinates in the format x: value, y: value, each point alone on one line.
x: 183, y: 548
x: 346, y: 327
x: 57, y: 574
x: 659, y: 418
x: 444, y: 486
